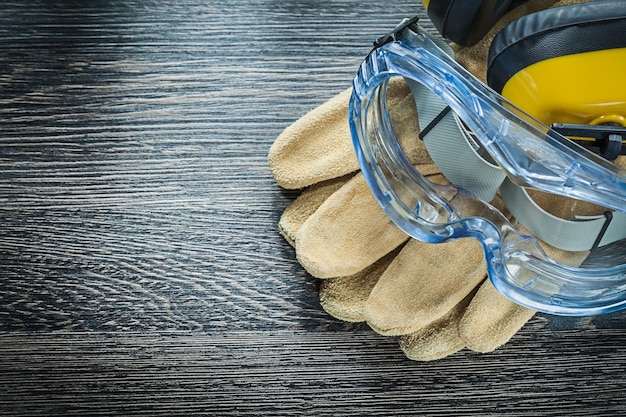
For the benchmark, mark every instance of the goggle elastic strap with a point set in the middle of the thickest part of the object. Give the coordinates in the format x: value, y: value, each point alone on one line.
x: 459, y: 157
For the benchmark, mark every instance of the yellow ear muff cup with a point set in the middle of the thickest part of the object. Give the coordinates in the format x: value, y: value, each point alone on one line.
x: 564, y: 64
x: 585, y: 88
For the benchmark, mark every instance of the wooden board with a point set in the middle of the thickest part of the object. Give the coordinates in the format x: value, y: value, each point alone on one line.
x: 141, y: 271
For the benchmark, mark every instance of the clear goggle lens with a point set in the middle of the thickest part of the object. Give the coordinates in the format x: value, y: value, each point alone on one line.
x: 525, y: 152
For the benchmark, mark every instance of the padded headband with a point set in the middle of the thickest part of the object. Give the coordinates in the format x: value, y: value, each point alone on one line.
x: 465, y: 22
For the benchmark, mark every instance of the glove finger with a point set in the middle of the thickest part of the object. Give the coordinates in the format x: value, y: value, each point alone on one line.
x: 491, y: 319
x: 319, y: 147
x: 344, y: 297
x: 422, y: 284
x: 305, y: 205
x: 347, y: 233
x: 312, y: 198
x: 481, y: 322
x: 438, y: 339
x: 316, y: 147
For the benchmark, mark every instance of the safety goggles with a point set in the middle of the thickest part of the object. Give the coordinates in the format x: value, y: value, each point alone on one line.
x: 502, y: 150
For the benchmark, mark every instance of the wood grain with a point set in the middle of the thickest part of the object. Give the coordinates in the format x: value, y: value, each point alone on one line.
x: 294, y: 373
x: 141, y: 271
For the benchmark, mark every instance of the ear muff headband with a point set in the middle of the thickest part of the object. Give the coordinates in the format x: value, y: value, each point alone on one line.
x: 555, y: 32
x: 465, y: 22
x: 453, y: 19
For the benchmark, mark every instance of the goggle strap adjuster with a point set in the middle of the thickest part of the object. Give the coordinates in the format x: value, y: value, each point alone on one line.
x: 608, y: 140
x: 393, y: 35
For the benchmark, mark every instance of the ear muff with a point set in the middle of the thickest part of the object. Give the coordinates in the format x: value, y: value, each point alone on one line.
x: 465, y: 22
x: 565, y: 65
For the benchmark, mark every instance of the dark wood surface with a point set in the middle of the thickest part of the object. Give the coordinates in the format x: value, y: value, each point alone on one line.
x: 141, y: 269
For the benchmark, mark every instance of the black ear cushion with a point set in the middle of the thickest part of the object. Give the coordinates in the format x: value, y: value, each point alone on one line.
x: 578, y: 28
x: 465, y: 22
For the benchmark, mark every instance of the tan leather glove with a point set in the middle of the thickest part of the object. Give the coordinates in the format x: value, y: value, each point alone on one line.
x: 435, y: 297
x: 371, y: 270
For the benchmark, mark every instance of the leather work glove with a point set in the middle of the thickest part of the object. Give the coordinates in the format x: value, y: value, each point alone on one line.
x: 436, y: 298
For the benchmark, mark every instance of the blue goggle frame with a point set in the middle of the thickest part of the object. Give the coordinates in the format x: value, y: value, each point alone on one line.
x: 530, y: 153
